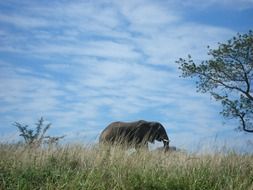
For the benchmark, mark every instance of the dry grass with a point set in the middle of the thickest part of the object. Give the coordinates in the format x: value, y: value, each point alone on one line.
x: 78, y: 167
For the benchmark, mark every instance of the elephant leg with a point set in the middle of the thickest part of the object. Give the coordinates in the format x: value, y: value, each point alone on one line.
x: 143, y: 146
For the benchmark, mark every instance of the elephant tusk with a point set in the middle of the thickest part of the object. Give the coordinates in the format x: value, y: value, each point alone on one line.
x: 165, y: 140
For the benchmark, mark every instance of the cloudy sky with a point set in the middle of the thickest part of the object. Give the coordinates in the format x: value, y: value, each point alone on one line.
x: 83, y: 64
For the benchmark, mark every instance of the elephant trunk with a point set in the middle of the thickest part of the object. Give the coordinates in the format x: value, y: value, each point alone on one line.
x: 166, y: 144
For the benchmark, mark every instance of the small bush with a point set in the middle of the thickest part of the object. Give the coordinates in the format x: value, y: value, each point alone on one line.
x: 36, y: 137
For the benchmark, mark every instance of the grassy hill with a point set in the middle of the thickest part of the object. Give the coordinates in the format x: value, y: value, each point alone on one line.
x: 78, y: 167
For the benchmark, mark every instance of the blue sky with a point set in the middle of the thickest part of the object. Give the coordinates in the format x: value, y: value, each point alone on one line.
x: 84, y: 64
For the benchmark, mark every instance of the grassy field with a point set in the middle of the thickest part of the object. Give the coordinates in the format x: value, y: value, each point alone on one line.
x: 77, y: 167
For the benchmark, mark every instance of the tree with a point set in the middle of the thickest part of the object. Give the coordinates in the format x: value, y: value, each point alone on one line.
x: 35, y: 137
x: 228, y: 76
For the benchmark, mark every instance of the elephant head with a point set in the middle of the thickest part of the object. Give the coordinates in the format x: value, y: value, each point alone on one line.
x: 157, y: 132
x: 137, y: 133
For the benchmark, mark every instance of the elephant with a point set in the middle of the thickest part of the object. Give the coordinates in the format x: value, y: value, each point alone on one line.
x: 134, y: 134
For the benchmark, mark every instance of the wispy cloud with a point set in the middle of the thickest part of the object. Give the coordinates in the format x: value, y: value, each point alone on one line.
x: 226, y: 4
x: 23, y: 21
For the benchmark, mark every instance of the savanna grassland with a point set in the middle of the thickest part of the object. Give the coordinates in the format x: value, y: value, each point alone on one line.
x: 78, y: 167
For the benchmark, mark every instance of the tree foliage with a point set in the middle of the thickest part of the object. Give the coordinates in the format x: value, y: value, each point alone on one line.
x: 35, y: 137
x: 228, y: 76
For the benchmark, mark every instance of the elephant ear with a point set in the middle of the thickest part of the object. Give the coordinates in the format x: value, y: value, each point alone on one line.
x: 151, y: 131
x: 159, y: 131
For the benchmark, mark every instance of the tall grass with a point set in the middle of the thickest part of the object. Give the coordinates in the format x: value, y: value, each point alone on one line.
x: 78, y: 167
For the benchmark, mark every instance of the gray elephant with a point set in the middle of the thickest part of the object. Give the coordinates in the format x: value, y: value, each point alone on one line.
x: 136, y: 134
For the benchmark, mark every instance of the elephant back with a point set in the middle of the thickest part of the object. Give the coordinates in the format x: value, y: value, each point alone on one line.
x: 120, y: 131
